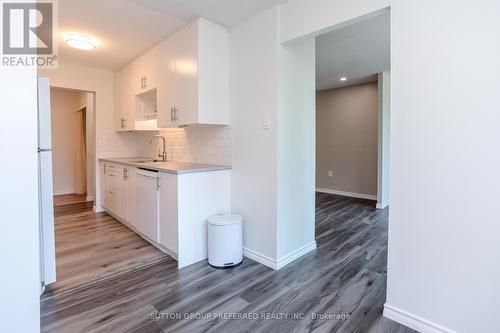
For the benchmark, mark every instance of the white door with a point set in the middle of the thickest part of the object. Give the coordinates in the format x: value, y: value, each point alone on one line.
x: 147, y: 203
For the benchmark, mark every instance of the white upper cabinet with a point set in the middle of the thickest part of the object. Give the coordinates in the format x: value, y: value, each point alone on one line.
x: 183, y: 80
x: 135, y: 94
x: 193, y: 79
x: 145, y: 70
x: 124, y: 100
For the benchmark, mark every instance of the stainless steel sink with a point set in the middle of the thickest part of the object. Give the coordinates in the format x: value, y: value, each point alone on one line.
x: 148, y: 161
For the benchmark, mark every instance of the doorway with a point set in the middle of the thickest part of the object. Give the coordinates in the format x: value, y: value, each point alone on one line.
x: 353, y: 110
x: 73, y: 148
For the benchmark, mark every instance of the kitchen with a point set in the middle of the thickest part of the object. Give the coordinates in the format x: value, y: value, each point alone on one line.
x: 170, y: 115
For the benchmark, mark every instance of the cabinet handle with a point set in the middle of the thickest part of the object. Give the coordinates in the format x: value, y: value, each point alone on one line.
x: 122, y: 123
x: 125, y: 174
x: 145, y: 82
x: 158, y: 185
x: 173, y: 114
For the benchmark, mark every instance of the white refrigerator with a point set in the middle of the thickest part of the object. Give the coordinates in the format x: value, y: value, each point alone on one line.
x: 45, y: 190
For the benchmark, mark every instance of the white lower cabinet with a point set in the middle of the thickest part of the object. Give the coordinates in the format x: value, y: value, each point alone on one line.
x: 186, y: 202
x: 112, y: 175
x: 130, y: 195
x: 170, y: 210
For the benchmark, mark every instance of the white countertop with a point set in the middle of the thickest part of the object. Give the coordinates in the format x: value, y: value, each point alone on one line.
x: 170, y: 166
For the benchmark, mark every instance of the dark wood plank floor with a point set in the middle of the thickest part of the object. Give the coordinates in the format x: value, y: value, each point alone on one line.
x: 344, y: 279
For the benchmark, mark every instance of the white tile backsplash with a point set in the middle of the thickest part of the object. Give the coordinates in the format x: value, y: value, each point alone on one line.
x: 195, y: 143
x: 116, y: 145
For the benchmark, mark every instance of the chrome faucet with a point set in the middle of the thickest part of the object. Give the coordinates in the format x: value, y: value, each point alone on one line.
x: 164, y: 154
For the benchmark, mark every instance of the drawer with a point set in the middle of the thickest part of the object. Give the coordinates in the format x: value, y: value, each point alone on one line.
x: 113, y: 178
x: 112, y: 200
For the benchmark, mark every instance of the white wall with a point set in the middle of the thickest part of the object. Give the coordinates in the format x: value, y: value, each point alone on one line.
x: 296, y: 150
x: 19, y: 239
x: 253, y: 98
x: 63, y: 103
x: 444, y: 236
x: 384, y: 128
x: 108, y: 142
x: 347, y: 139
x: 263, y: 186
x: 197, y: 144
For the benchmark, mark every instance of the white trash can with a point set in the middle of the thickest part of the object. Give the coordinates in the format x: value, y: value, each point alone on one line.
x: 225, y: 241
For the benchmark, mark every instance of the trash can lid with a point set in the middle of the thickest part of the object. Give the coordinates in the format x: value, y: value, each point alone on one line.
x: 225, y: 219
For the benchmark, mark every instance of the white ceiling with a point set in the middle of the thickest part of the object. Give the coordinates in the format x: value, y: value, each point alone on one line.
x: 126, y: 28
x: 357, y: 51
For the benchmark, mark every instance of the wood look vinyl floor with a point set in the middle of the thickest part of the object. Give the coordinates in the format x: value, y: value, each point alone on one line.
x: 91, y: 247
x: 67, y: 199
x: 339, y: 287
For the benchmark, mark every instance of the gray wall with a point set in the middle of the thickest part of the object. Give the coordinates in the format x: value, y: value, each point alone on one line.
x: 347, y: 139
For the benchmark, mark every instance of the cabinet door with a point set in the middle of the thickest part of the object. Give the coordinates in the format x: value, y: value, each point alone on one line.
x: 145, y: 71
x: 130, y: 199
x: 168, y: 211
x: 213, y: 74
x: 166, y: 83
x: 124, y: 101
x: 186, y: 74
x: 113, y: 190
x: 104, y: 185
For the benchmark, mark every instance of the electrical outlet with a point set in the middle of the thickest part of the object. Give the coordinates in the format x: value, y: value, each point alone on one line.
x: 330, y: 173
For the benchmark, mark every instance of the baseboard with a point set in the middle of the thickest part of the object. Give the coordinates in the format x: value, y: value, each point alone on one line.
x: 98, y: 209
x: 382, y: 205
x: 283, y: 261
x: 89, y: 198
x: 292, y: 256
x: 415, y: 322
x: 64, y: 192
x: 260, y: 258
x: 347, y: 194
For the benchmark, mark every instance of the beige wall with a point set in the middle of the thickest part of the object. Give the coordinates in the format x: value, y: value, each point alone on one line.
x: 347, y: 132
x: 64, y: 131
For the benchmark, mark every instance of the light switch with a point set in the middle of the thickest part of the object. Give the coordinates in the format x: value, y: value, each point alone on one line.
x: 267, y: 122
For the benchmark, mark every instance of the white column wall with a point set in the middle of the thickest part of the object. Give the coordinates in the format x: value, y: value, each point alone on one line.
x: 444, y: 235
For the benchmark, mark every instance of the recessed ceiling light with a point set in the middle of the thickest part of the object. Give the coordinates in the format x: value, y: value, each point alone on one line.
x: 343, y: 78
x: 80, y: 41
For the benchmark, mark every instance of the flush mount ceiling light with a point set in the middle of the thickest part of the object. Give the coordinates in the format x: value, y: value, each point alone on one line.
x: 80, y: 41
x: 343, y: 78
